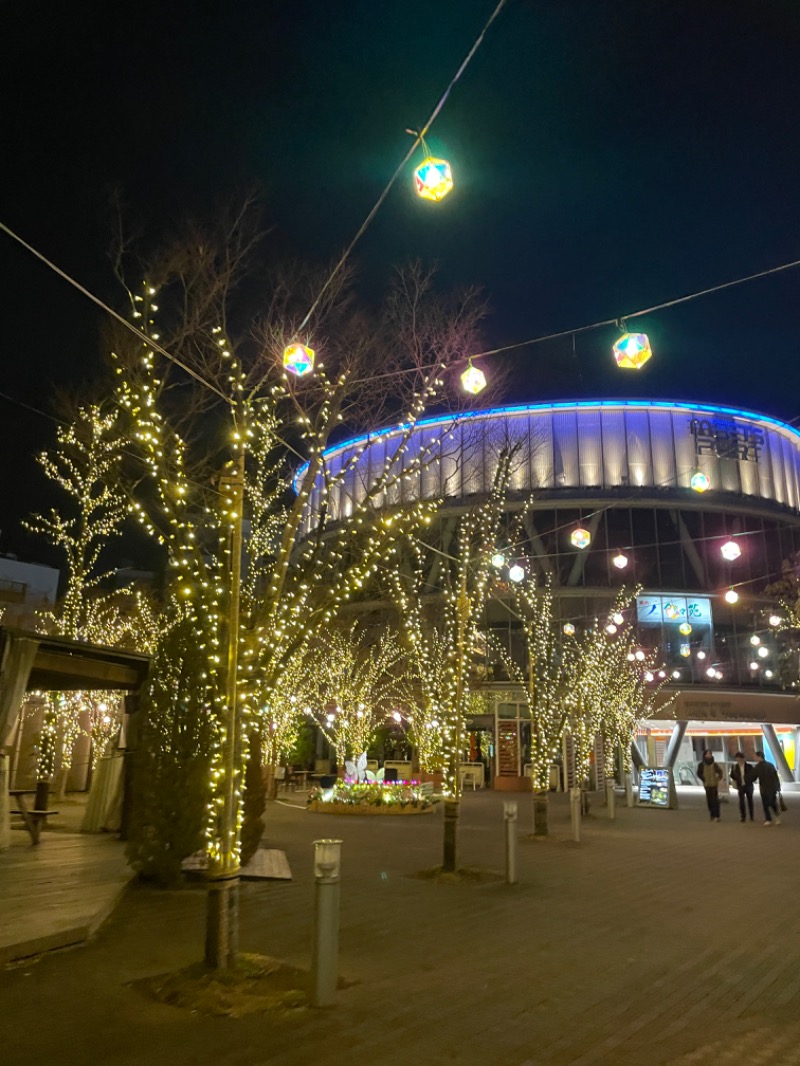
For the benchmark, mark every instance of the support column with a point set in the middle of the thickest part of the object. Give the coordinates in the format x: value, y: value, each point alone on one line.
x: 771, y: 738
x: 675, y: 741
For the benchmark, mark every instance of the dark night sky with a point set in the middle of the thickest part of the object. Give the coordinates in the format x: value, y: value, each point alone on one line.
x: 608, y: 154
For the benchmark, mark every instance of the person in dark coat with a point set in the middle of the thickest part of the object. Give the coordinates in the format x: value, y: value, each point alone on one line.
x: 769, y: 785
x: 743, y: 777
x: 710, y: 773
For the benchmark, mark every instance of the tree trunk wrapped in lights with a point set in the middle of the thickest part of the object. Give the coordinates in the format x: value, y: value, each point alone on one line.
x: 231, y: 397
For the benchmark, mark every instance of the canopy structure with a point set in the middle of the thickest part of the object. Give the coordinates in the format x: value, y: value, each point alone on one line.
x: 31, y: 661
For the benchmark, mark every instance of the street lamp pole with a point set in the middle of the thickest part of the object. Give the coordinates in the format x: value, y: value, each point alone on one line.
x: 222, y: 917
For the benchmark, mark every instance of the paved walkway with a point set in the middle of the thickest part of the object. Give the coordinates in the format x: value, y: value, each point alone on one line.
x: 661, y: 938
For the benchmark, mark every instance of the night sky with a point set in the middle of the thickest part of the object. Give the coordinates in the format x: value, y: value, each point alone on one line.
x: 608, y: 155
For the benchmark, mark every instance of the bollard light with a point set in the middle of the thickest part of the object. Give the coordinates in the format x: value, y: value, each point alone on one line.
x: 327, y: 858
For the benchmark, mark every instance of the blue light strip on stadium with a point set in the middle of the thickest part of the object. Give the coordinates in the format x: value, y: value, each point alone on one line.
x: 563, y: 405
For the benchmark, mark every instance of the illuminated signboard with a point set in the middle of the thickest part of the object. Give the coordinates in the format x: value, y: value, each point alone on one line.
x: 659, y: 610
x: 655, y: 787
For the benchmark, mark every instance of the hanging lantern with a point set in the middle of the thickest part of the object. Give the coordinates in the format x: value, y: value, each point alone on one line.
x: 775, y: 619
x: 763, y: 652
x: 639, y: 655
x: 671, y: 611
x: 611, y: 629
x: 498, y: 560
x: 701, y: 655
x: 731, y: 551
x: 632, y: 351
x: 516, y: 573
x: 569, y: 629
x: 473, y: 380
x: 433, y: 179
x: 620, y: 560
x: 755, y: 640
x: 699, y: 482
x: 298, y: 359
x: 676, y: 675
x: 686, y: 650
x: 731, y: 596
x: 685, y: 628
x: 617, y: 618
x: 581, y: 538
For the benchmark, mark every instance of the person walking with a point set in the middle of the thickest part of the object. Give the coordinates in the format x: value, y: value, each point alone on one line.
x: 769, y: 785
x: 710, y: 774
x: 743, y: 776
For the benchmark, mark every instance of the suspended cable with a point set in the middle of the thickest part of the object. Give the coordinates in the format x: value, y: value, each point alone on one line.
x: 418, y: 140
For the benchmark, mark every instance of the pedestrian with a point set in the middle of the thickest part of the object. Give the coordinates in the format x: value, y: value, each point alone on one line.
x: 743, y: 776
x: 710, y: 774
x: 769, y: 785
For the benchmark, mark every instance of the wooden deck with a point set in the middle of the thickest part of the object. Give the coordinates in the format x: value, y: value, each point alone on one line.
x: 57, y: 893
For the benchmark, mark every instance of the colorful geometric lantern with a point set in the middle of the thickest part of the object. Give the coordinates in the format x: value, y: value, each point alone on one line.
x: 671, y: 611
x: 731, y: 551
x: 473, y: 380
x: 731, y: 596
x: 685, y: 628
x: 620, y: 560
x: 516, y: 573
x: 632, y: 351
x: 755, y: 640
x: 498, y: 560
x: 686, y: 650
x: 581, y: 538
x: 699, y: 482
x: 433, y: 179
x: 775, y: 619
x: 299, y: 359
x: 763, y: 652
x: 617, y: 618
x: 569, y: 629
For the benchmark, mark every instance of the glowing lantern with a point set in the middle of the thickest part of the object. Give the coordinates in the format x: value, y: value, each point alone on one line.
x: 581, y: 538
x: 774, y: 619
x: 473, y: 380
x: 498, y: 560
x: 686, y: 651
x: 433, y: 179
x: 685, y: 628
x: 755, y: 640
x: 731, y: 596
x: 763, y: 652
x: 639, y: 655
x: 649, y: 676
x: 620, y: 560
x: 730, y: 550
x: 569, y: 629
x: 671, y: 611
x: 617, y: 618
x: 711, y: 672
x: 516, y: 573
x: 701, y: 655
x: 699, y: 482
x: 632, y: 351
x: 299, y: 359
x: 611, y: 629
x: 676, y: 674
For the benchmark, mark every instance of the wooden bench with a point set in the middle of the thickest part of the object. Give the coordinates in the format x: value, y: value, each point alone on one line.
x: 34, y: 819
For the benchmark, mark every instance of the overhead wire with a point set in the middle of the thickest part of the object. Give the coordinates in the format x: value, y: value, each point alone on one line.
x: 419, y: 138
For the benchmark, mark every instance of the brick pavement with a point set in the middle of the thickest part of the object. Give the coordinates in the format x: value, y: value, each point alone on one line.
x: 661, y: 938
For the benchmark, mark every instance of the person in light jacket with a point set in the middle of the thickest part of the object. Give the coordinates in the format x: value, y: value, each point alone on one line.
x: 710, y: 773
x: 769, y: 785
x: 743, y: 776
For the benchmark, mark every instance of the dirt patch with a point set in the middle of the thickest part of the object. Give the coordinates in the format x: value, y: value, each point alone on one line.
x: 257, y: 984
x: 465, y: 875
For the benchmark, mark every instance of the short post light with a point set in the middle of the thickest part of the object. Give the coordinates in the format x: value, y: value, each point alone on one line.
x: 575, y: 813
x: 325, y: 949
x: 510, y: 816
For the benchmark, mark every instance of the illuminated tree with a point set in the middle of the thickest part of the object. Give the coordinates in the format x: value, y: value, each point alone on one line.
x: 442, y: 634
x: 86, y: 464
x: 355, y: 688
x: 224, y: 395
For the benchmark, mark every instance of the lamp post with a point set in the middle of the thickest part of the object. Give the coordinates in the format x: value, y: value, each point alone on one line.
x: 222, y: 916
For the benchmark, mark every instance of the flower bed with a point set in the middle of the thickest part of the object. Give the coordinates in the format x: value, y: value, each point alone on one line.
x: 371, y: 798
